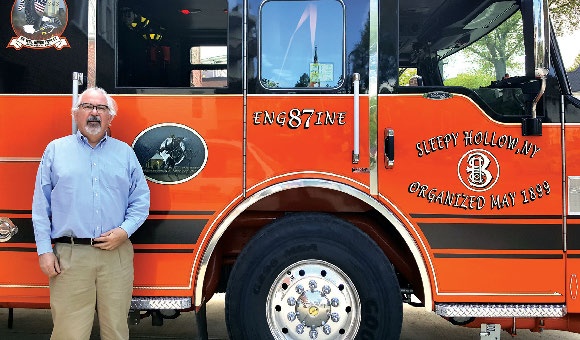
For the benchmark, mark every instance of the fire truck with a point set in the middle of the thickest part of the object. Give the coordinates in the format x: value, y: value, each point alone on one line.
x: 292, y: 170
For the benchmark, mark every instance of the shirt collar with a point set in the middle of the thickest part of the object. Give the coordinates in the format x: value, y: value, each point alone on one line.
x: 82, y: 139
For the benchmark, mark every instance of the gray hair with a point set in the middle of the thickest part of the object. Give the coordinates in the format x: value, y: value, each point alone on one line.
x: 110, y: 101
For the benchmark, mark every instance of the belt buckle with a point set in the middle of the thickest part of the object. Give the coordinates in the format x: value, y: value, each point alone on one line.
x: 92, y: 241
x: 72, y: 240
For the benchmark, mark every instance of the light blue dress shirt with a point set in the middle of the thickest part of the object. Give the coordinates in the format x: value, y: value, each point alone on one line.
x: 82, y: 191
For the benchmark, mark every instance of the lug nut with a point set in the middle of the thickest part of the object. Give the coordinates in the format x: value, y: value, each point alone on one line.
x: 300, y: 328
x: 334, y: 317
x: 313, y: 334
x: 334, y: 302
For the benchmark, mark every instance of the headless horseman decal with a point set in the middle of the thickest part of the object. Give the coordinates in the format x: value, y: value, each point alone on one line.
x: 172, y: 151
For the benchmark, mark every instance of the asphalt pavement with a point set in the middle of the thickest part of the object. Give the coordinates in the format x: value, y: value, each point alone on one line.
x: 418, y: 324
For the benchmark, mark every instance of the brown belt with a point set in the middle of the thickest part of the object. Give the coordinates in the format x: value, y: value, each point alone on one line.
x: 73, y: 240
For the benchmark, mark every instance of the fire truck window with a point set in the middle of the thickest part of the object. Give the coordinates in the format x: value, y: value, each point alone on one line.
x: 209, y: 63
x: 302, y: 44
x: 163, y: 44
x: 43, y: 44
x: 493, y: 67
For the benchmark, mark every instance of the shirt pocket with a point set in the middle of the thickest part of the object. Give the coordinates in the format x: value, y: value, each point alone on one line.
x: 116, y: 178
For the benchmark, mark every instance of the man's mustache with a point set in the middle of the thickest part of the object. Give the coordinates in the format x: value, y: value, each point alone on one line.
x: 94, y: 119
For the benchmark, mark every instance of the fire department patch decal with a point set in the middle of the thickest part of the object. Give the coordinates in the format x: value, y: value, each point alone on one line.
x: 170, y: 153
x: 39, y: 24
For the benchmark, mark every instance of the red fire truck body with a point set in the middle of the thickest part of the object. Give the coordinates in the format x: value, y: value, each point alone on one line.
x: 291, y: 168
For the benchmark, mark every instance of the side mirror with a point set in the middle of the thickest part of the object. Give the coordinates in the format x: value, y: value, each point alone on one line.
x: 532, y: 126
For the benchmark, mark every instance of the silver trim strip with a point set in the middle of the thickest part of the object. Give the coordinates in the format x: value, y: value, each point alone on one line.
x: 356, y: 118
x: 373, y: 95
x: 92, y: 44
x: 19, y: 159
x: 500, y: 310
x: 244, y: 94
x: 23, y: 286
x: 564, y: 177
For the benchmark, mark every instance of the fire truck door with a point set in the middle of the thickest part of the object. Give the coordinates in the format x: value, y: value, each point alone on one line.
x: 300, y: 114
x: 484, y: 201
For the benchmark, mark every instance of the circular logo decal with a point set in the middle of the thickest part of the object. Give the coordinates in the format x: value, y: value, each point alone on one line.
x: 39, y: 24
x: 478, y: 170
x: 170, y: 153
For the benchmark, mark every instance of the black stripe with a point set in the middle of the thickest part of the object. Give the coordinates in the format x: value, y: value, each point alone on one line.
x: 494, y: 217
x: 179, y: 212
x: 573, y: 256
x: 25, y: 232
x: 169, y: 232
x: 493, y: 236
x: 498, y: 256
x: 163, y: 251
x: 152, y: 212
x: 179, y: 231
x: 18, y: 249
x: 573, y: 236
x: 19, y: 212
x: 146, y: 251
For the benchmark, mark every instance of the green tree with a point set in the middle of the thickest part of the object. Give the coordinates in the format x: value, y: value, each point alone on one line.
x: 576, y: 64
x: 304, y: 81
x: 565, y: 15
x: 496, y: 50
x: 269, y: 83
x: 406, y: 74
x: 472, y: 80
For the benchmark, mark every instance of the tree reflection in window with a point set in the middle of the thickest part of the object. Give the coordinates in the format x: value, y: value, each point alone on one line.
x: 302, y: 44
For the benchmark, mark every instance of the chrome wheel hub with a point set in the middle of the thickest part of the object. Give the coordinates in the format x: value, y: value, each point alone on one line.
x: 313, y: 299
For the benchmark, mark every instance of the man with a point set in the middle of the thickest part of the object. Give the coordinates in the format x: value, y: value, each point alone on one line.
x: 90, y: 196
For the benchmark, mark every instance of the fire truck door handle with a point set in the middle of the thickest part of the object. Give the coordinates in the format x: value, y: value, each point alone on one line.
x: 389, y: 148
x: 356, y: 118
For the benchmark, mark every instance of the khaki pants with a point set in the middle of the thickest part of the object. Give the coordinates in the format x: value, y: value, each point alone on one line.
x: 91, y: 277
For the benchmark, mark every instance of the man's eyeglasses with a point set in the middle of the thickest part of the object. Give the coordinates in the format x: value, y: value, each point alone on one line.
x: 88, y: 107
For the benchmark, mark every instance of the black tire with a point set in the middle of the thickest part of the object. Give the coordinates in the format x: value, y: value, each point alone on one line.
x: 355, y: 289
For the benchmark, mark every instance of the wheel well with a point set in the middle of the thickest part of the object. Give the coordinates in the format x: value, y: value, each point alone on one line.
x: 311, y: 199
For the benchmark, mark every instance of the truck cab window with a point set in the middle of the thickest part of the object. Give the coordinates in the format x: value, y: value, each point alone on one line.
x: 302, y: 44
x: 160, y: 44
x: 493, y: 67
x: 208, y: 66
x: 485, y: 59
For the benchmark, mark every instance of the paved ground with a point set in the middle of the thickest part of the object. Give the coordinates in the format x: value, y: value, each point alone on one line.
x: 417, y: 325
